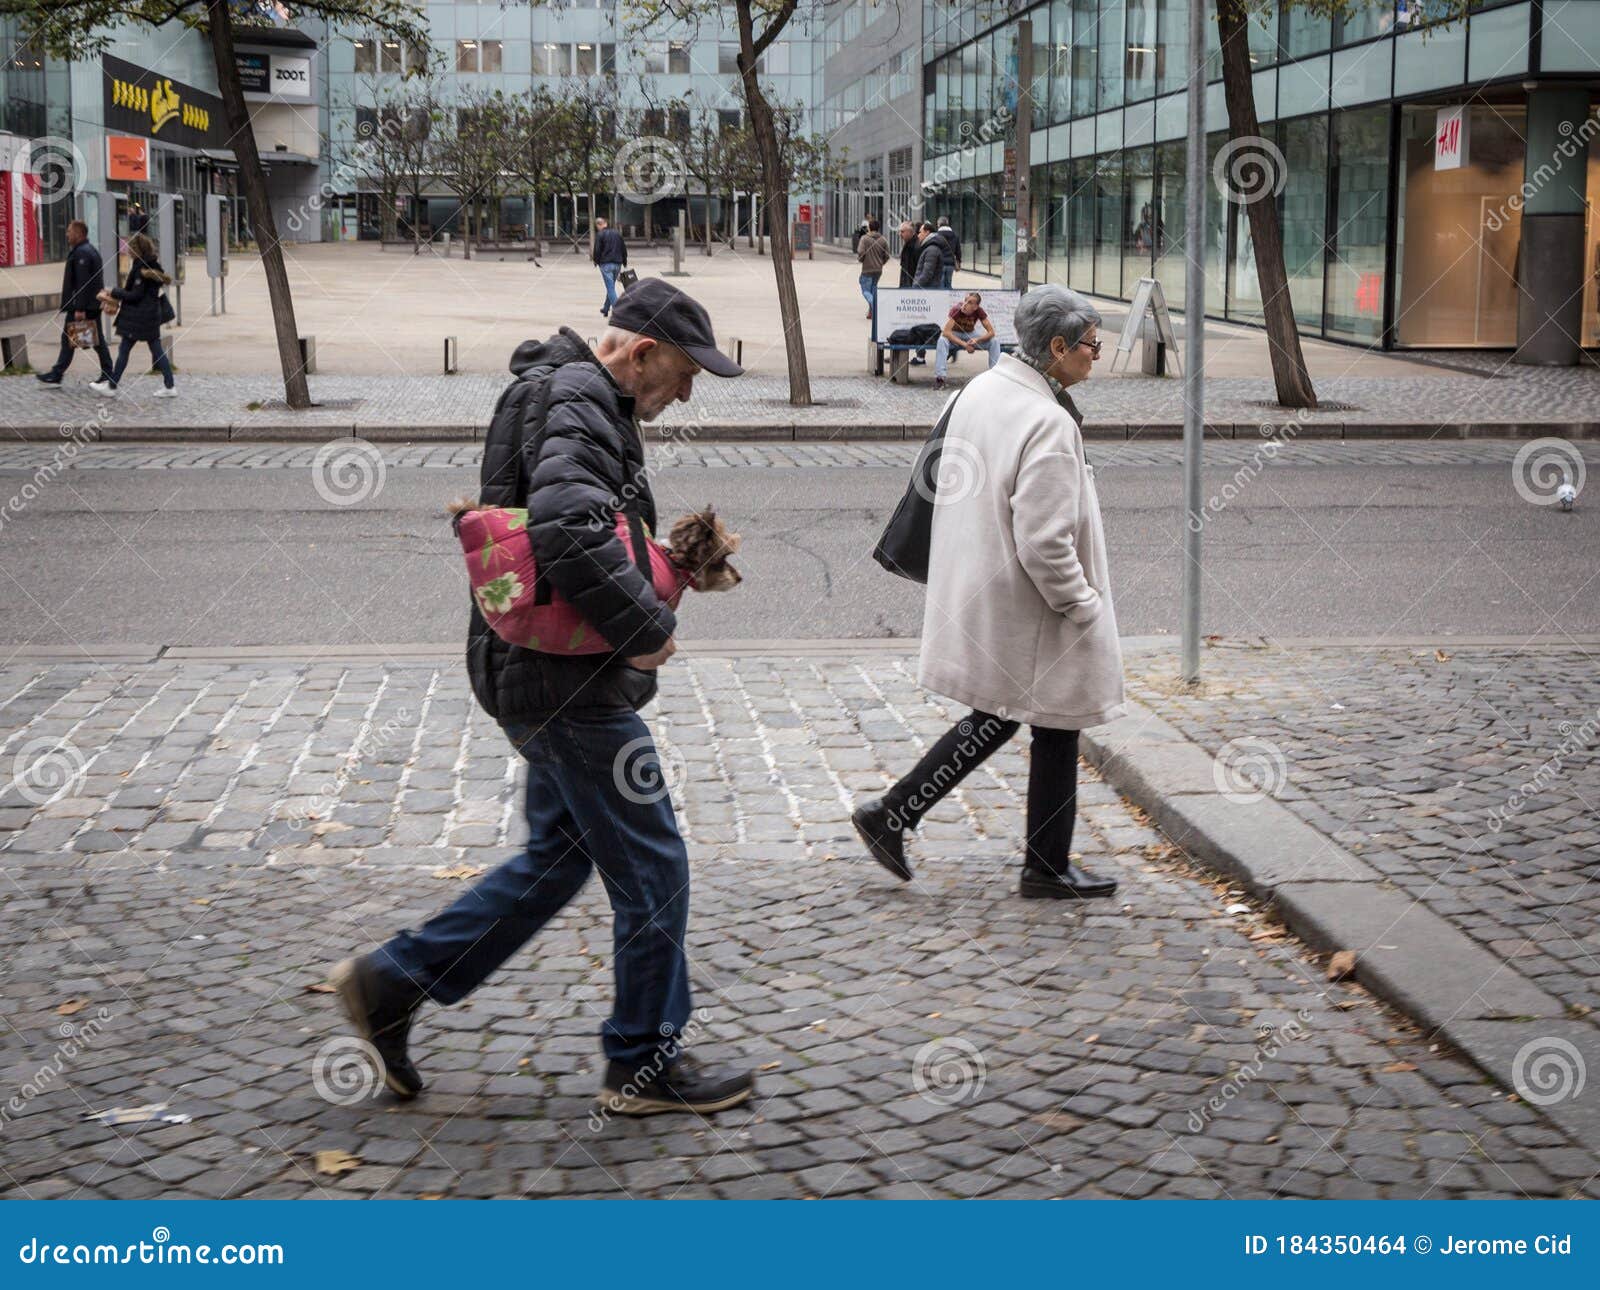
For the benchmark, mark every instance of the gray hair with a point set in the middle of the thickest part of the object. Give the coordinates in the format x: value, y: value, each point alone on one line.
x: 1047, y: 312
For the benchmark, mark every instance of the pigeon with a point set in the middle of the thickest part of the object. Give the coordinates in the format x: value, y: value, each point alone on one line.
x: 1567, y: 495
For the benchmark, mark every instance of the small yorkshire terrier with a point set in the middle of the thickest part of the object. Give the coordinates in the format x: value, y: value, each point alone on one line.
x: 701, y: 544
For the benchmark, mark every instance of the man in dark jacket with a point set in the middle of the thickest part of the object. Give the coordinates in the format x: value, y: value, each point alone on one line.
x: 611, y: 256
x: 910, y: 252
x: 565, y: 444
x: 930, y: 258
x: 81, y: 281
x: 952, y: 260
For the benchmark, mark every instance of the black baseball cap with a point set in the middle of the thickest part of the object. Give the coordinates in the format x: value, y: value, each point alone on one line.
x: 654, y: 307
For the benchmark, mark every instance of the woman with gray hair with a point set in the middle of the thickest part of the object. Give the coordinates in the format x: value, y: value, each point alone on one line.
x: 1018, y: 623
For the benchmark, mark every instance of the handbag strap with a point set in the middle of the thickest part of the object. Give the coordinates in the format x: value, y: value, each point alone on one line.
x: 928, y: 460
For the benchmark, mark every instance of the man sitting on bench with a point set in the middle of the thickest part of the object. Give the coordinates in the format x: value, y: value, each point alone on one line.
x: 962, y: 328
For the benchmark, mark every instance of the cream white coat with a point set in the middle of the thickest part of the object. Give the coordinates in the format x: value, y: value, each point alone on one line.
x: 1018, y: 619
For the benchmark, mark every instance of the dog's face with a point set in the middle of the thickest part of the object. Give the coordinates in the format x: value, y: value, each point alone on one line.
x: 702, y: 544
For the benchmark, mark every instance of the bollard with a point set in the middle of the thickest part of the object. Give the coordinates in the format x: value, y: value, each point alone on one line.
x: 308, y: 355
x: 677, y: 250
x: 14, y: 350
x: 449, y: 355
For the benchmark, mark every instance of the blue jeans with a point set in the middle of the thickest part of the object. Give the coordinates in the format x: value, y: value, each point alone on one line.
x: 941, y: 358
x: 608, y: 272
x: 869, y: 289
x: 596, y: 799
x: 158, y: 356
x: 947, y: 276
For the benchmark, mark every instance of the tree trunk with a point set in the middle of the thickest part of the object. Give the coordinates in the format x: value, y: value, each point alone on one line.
x: 254, y: 181
x: 1258, y: 184
x: 775, y: 184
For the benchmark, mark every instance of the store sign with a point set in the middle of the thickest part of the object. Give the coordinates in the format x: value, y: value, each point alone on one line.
x: 1450, y: 139
x: 127, y: 158
x: 19, y: 219
x: 142, y: 102
x: 275, y: 75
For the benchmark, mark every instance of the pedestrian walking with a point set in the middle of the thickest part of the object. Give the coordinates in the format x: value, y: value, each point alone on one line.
x: 952, y: 260
x: 564, y: 443
x: 611, y: 257
x: 1018, y: 622
x: 967, y: 326
x: 910, y: 253
x: 142, y: 307
x: 82, y: 278
x: 873, y: 252
x: 930, y: 258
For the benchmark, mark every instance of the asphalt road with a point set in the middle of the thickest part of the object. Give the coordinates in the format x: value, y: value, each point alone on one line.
x: 230, y: 556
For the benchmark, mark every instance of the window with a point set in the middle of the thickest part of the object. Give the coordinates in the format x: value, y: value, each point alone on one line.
x: 608, y: 59
x: 728, y: 120
x: 681, y: 127
x: 389, y: 56
x: 466, y: 55
x: 678, y: 58
x: 366, y: 55
x: 491, y: 50
x: 552, y: 60
x: 652, y: 59
x: 588, y: 63
x: 727, y: 58
x: 775, y: 61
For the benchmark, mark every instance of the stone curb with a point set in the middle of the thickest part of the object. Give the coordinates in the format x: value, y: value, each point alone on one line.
x: 285, y: 431
x: 1405, y: 954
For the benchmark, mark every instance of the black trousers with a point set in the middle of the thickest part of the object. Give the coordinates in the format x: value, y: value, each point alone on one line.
x: 1052, y: 782
x: 68, y: 349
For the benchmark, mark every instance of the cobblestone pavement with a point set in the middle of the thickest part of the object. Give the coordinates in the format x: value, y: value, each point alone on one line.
x: 1467, y: 777
x: 251, y: 402
x: 1221, y: 453
x: 167, y: 927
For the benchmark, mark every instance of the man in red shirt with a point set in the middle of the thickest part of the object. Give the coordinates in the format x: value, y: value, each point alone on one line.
x: 969, y: 327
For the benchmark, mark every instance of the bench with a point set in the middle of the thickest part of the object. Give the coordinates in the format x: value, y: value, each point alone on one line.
x: 908, y: 306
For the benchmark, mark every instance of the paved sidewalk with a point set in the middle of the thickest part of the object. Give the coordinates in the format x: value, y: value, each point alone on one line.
x: 1430, y: 404
x: 168, y: 924
x: 1466, y: 776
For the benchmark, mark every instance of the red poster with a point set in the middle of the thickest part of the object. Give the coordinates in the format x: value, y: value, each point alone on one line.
x: 5, y: 219
x: 26, y: 215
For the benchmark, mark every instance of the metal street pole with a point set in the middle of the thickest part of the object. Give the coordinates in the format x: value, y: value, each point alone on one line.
x: 1194, y: 315
x: 1016, y: 201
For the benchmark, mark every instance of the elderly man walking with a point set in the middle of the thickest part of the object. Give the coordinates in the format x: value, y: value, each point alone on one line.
x: 565, y: 443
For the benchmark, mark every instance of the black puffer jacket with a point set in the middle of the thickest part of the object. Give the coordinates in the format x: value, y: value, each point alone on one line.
x: 140, y: 315
x: 572, y: 479
x: 81, y: 280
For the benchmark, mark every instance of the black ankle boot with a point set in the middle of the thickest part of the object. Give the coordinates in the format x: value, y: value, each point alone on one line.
x: 1071, y: 883
x: 383, y: 1018
x: 884, y: 839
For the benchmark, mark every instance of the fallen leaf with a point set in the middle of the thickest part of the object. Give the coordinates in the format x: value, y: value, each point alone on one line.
x: 1093, y: 1039
x: 1395, y: 1068
x: 326, y: 827
x: 1060, y: 1121
x: 71, y: 1006
x: 934, y: 1016
x: 770, y: 1066
x: 336, y: 1162
x: 1442, y: 656
x: 459, y: 871
x: 1341, y: 965
x: 525, y: 1061
x: 431, y: 1195
x: 201, y: 900
x: 319, y: 987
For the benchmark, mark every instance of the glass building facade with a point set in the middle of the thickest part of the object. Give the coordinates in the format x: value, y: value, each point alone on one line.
x: 1382, y: 245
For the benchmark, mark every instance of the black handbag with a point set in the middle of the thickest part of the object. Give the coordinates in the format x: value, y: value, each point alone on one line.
x: 627, y: 278
x: 904, y: 547
x: 168, y: 313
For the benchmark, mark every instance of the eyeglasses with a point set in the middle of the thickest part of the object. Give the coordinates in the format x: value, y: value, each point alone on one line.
x: 1093, y: 346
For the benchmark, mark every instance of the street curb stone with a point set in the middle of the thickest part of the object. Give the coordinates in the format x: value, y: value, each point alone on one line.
x: 1405, y: 953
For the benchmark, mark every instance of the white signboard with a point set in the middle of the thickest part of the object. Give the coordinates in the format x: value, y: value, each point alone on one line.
x: 908, y: 306
x: 291, y: 77
x: 1450, y: 139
